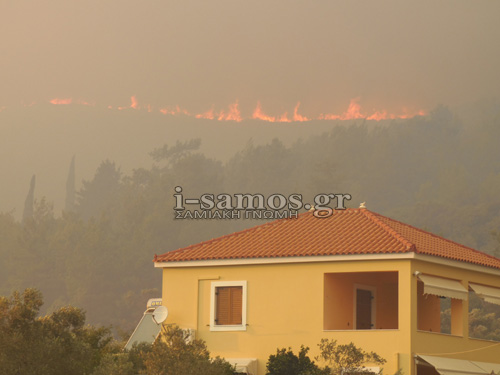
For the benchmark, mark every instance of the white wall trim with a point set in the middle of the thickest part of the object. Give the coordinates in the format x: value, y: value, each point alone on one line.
x: 239, y: 327
x: 299, y: 259
x: 329, y: 258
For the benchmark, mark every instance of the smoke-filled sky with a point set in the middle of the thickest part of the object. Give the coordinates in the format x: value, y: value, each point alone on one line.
x: 204, y: 56
x: 198, y: 54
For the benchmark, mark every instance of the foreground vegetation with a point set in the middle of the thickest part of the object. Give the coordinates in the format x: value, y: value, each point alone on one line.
x: 62, y: 343
x: 336, y: 357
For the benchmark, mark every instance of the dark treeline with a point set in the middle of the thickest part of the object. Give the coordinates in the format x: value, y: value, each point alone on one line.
x: 434, y: 172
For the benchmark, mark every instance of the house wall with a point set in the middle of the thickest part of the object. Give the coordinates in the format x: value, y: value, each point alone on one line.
x: 429, y: 310
x: 457, y: 346
x: 285, y: 308
x: 338, y: 287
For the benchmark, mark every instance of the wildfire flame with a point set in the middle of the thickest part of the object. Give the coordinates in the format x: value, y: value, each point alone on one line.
x: 65, y: 101
x: 353, y: 112
x: 58, y: 101
x: 207, y: 115
x: 258, y: 114
x: 233, y: 112
x: 176, y: 110
x: 297, y: 116
x: 133, y: 102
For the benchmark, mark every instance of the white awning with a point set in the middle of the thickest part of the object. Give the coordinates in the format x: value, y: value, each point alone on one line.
x: 443, y: 287
x: 449, y: 366
x: 244, y: 365
x: 488, y: 367
x: 488, y: 293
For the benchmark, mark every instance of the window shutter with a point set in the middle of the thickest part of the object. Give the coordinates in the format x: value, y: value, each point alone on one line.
x: 223, y: 306
x: 229, y: 305
x: 237, y: 304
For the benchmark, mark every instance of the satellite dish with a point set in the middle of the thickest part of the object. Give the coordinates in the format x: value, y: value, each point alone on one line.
x: 160, y: 314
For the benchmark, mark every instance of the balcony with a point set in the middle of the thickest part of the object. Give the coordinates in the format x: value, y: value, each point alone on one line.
x: 361, y: 301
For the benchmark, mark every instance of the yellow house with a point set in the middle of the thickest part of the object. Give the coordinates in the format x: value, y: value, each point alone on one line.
x: 354, y: 276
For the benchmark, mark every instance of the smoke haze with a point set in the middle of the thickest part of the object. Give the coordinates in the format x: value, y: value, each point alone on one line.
x: 206, y: 56
x: 391, y: 54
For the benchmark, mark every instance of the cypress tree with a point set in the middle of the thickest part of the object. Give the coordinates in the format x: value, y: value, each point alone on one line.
x: 70, y: 187
x: 28, y: 203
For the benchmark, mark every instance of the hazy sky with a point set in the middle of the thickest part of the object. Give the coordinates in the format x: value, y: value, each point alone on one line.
x: 198, y: 54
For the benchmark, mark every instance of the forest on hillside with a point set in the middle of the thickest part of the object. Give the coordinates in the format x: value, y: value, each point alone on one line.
x: 435, y: 172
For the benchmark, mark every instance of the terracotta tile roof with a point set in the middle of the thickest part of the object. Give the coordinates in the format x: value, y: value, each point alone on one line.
x: 351, y: 231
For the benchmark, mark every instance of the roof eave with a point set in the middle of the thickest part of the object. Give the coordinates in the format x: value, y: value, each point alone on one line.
x: 281, y: 260
x: 329, y: 258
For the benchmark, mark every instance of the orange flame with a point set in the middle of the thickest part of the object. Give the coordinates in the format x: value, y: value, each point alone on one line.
x: 377, y: 116
x: 296, y: 116
x: 58, y: 101
x: 174, y: 111
x: 207, y: 115
x: 283, y: 118
x: 133, y: 102
x: 259, y: 115
x: 353, y: 111
x: 65, y: 101
x: 233, y: 112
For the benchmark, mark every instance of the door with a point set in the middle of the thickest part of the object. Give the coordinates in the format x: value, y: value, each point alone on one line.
x: 364, y: 300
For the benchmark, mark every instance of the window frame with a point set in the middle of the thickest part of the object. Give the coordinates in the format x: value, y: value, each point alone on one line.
x: 213, y: 306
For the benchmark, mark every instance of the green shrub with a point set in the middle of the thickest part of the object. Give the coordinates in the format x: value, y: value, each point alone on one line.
x: 172, y: 355
x: 285, y: 362
x: 346, y: 356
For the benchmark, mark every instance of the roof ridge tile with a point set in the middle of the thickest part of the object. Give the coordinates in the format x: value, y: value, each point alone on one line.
x: 399, y: 237
x: 438, y: 237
